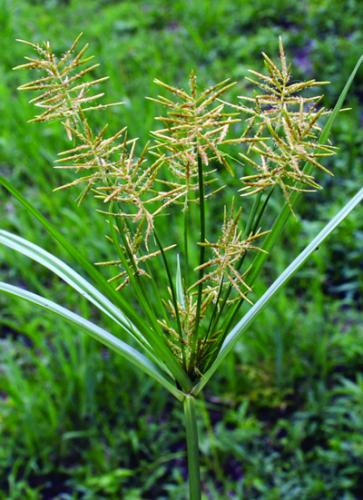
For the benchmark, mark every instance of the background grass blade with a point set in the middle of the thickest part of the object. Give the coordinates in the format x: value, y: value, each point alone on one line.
x: 234, y: 336
x: 339, y: 104
x: 98, y: 333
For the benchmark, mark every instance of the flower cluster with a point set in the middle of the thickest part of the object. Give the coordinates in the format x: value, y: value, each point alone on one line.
x: 287, y: 126
x: 107, y: 166
x: 195, y: 125
x: 227, y: 257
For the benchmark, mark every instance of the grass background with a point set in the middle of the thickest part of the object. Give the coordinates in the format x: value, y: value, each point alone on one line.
x: 284, y: 419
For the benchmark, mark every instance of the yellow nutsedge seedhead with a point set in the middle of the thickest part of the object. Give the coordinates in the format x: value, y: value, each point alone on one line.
x: 107, y: 166
x: 62, y: 93
x: 178, y: 166
x: 285, y: 126
x: 195, y: 125
x: 227, y: 253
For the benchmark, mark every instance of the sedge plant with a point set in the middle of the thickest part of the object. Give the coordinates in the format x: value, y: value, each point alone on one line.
x: 212, y: 168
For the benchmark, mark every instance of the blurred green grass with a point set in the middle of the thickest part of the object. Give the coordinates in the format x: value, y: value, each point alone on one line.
x: 285, y: 417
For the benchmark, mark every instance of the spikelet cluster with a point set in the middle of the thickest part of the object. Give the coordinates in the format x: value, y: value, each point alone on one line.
x: 226, y: 256
x: 106, y: 165
x: 222, y: 272
x: 287, y: 126
x: 195, y: 125
x: 182, y: 341
x: 62, y: 93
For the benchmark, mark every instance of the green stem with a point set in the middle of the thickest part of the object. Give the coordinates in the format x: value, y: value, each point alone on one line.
x: 252, y: 225
x: 173, y: 295
x: 202, y: 246
x: 252, y: 214
x: 190, y: 419
x: 186, y: 238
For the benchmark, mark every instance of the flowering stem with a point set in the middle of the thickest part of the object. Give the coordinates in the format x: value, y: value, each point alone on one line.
x: 252, y: 225
x: 252, y: 214
x: 186, y: 242
x: 218, y: 310
x: 173, y: 294
x: 190, y: 420
x: 202, y: 249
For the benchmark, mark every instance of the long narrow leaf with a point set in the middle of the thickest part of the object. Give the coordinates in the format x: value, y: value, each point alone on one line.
x: 234, y: 336
x: 80, y: 284
x: 143, y: 326
x: 87, y: 267
x: 179, y: 284
x: 70, y: 276
x: 98, y: 333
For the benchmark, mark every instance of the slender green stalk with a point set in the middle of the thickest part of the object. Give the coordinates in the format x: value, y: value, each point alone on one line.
x: 190, y: 419
x: 173, y: 292
x: 252, y: 213
x: 186, y: 239
x: 215, y: 313
x: 252, y: 225
x: 202, y: 241
x: 237, y: 331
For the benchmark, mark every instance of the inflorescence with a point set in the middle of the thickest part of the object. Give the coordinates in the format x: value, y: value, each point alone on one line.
x: 275, y: 133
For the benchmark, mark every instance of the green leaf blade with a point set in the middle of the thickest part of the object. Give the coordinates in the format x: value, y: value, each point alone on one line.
x: 71, y: 277
x: 160, y: 346
x: 103, y: 336
x: 234, y: 336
